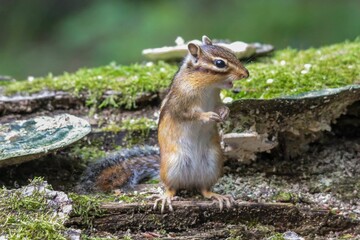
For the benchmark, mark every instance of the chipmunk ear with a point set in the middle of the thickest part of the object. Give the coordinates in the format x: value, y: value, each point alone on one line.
x: 194, y: 50
x: 206, y: 40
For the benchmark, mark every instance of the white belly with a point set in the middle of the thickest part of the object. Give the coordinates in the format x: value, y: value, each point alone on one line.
x: 197, y: 163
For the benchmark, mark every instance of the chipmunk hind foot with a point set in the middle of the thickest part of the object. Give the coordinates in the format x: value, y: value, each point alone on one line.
x: 229, y: 200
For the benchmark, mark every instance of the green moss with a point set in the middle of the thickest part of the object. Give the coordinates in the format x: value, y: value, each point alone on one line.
x: 128, y: 237
x: 137, y: 130
x: 85, y: 237
x: 143, y: 125
x: 292, y: 71
x: 86, y: 153
x: 127, y: 80
x: 286, y: 197
x: 276, y: 236
x: 153, y: 181
x: 288, y: 72
x: 112, y: 127
x: 347, y: 236
x: 87, y: 207
x: 28, y: 216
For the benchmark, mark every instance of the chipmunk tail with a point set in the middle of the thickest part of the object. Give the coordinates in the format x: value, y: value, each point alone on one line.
x: 121, y: 170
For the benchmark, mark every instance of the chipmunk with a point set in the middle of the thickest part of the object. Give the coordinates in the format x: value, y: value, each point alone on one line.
x: 190, y: 152
x: 191, y: 155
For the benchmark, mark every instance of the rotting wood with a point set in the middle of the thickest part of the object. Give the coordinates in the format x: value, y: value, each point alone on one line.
x: 46, y: 100
x: 194, y: 214
x: 55, y: 100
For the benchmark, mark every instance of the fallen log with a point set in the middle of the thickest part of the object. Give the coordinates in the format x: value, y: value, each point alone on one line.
x: 140, y: 217
x: 59, y: 100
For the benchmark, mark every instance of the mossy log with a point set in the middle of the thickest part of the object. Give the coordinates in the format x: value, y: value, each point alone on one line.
x: 187, y: 215
x: 58, y: 100
x: 41, y: 101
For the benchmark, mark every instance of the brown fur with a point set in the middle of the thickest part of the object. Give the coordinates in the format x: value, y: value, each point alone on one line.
x: 112, y: 177
x: 189, y: 141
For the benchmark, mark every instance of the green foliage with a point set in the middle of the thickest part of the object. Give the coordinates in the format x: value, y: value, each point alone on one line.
x: 292, y: 71
x: 44, y: 36
x: 25, y: 216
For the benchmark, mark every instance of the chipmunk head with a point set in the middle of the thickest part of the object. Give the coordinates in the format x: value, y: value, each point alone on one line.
x: 214, y: 65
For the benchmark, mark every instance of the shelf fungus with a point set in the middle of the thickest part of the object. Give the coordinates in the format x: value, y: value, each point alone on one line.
x: 177, y: 52
x: 287, y: 124
x: 244, y: 146
x: 25, y: 140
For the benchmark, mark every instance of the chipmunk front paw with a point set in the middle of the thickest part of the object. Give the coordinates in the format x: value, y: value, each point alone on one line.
x: 210, y: 117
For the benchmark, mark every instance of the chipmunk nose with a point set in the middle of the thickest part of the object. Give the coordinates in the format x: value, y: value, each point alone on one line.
x: 247, y: 74
x: 244, y: 73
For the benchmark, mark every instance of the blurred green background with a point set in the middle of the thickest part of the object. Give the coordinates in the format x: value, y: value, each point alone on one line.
x: 42, y: 36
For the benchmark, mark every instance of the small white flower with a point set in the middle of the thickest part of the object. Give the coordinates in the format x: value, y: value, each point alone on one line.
x: 269, y: 81
x: 162, y: 70
x: 350, y: 67
x: 149, y: 64
x: 305, y: 71
x: 282, y: 62
x: 307, y: 66
x: 30, y: 78
x: 99, y: 77
x: 227, y: 100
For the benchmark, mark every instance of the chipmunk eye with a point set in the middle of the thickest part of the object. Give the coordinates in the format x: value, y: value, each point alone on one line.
x: 219, y: 63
